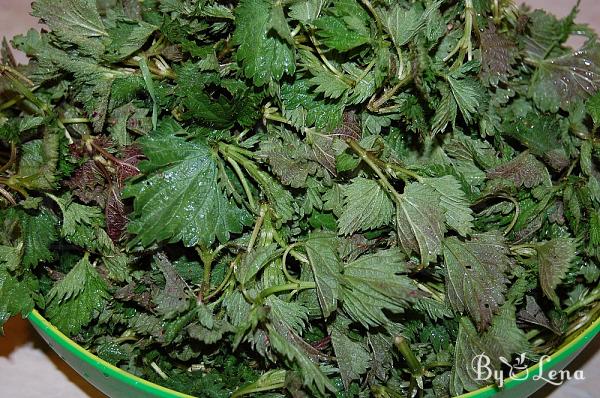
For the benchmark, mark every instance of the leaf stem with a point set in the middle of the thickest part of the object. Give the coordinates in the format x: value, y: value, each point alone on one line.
x: 257, y: 226
x: 515, y: 217
x: 244, y: 182
x: 364, y: 155
x: 411, y: 359
x: 464, y: 44
x: 13, y: 157
x: 14, y: 78
x: 207, y: 257
x: 301, y: 285
x: 376, y: 104
x: 326, y: 62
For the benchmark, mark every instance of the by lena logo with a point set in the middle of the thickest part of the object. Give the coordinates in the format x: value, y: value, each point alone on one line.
x: 518, y: 370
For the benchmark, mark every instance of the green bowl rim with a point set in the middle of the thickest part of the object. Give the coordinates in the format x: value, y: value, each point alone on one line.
x: 564, y: 352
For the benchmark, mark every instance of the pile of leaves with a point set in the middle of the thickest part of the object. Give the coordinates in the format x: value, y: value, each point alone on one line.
x: 302, y: 198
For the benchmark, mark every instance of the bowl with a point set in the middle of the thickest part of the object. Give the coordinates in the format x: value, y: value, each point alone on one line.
x: 116, y: 383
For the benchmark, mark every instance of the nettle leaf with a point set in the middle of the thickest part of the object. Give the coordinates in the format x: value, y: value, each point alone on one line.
x: 75, y: 21
x: 366, y: 206
x: 404, y: 24
x: 15, y: 296
x: 469, y: 95
x: 503, y: 340
x: 126, y: 38
x: 453, y: 200
x: 254, y: 261
x: 173, y: 298
x: 311, y: 374
x: 265, y: 59
x: 554, y: 259
x: 77, y: 299
x: 373, y: 284
x: 560, y: 82
x: 293, y: 314
x: 330, y: 85
x: 322, y: 251
x: 10, y: 256
x: 475, y: 275
x: 39, y: 232
x: 524, y: 170
x: 38, y: 163
x: 533, y: 314
x: 180, y: 198
x: 304, y: 109
x: 446, y: 111
x: 498, y: 54
x: 306, y: 11
x: 420, y: 221
x: 347, y: 27
x: 593, y: 108
x: 352, y: 357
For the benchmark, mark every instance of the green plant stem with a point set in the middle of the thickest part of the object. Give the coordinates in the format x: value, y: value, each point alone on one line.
x: 207, y: 257
x: 284, y: 261
x: 364, y: 155
x: 244, y: 182
x: 592, y: 298
x: 515, y: 217
x: 24, y: 90
x: 302, y: 285
x: 411, y: 359
x: 224, y: 283
x: 376, y: 104
x: 464, y: 44
x: 326, y: 62
x: 12, y: 159
x: 257, y: 226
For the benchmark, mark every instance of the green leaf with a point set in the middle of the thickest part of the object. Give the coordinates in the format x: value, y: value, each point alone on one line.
x: 420, y: 221
x: 37, y: 166
x: 321, y: 248
x: 306, y: 11
x: 524, y: 170
x: 404, y: 24
x: 475, y: 275
x: 366, y: 206
x: 445, y: 113
x: 503, y: 340
x: 39, y: 232
x: 453, y: 200
x: 470, y: 96
x: 180, y: 198
x: 10, y: 256
x: 15, y: 297
x: 304, y: 109
x: 265, y: 59
x: 75, y: 21
x: 593, y: 108
x: 173, y: 299
x: 77, y: 299
x: 293, y: 314
x: 126, y: 38
x: 468, y: 346
x: 346, y: 28
x: 352, y: 357
x: 311, y: 374
x: 560, y: 82
x: 330, y: 85
x: 554, y: 259
x: 373, y: 284
x: 254, y: 261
